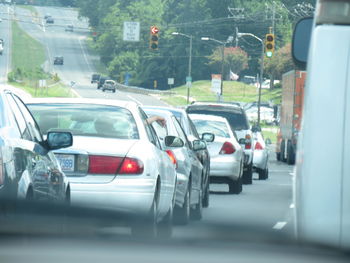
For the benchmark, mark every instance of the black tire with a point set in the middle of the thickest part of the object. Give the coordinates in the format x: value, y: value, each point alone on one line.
x: 290, y: 154
x: 263, y: 174
x: 248, y: 175
x: 113, y: 91
x: 235, y: 187
x: 103, y: 90
x: 182, y: 214
x: 206, y: 195
x: 282, y: 151
x: 278, y: 156
x: 197, y: 212
x: 165, y: 227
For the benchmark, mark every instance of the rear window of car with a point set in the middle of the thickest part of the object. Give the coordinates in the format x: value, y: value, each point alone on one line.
x: 235, y: 117
x: 86, y: 120
x: 219, y: 128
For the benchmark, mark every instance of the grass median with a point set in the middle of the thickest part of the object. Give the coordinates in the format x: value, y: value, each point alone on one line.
x: 27, y: 57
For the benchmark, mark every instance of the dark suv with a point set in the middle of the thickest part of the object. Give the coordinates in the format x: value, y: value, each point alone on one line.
x: 101, y: 81
x: 238, y: 121
x: 58, y: 60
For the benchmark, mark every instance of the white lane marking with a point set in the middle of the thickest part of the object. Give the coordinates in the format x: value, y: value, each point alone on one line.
x: 84, y: 54
x: 279, y: 225
x: 134, y: 99
x: 292, y: 206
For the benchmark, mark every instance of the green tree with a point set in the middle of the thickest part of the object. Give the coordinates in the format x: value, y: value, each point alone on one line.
x: 235, y: 60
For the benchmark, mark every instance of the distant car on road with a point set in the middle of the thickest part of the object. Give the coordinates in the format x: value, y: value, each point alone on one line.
x: 58, y: 60
x: 69, y: 28
x: 109, y: 85
x: 101, y: 81
x: 49, y: 20
x: 95, y: 78
x: 47, y: 16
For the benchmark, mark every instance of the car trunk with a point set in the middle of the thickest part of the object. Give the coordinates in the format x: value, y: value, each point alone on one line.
x: 76, y: 162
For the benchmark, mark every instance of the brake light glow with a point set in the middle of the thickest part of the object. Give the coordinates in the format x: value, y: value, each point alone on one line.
x: 131, y: 166
x: 258, y: 146
x: 248, y: 142
x: 172, y: 157
x: 99, y: 164
x: 227, y: 148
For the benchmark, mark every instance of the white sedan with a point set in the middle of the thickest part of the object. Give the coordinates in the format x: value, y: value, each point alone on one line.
x: 116, y: 161
x: 226, y: 154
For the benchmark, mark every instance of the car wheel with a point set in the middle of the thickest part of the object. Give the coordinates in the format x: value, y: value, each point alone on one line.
x: 103, y: 90
x: 263, y: 174
x: 235, y: 187
x: 206, y: 195
x: 290, y: 154
x: 165, y: 227
x: 197, y: 212
x: 182, y: 214
x: 282, y: 150
x: 114, y: 91
x: 278, y: 156
x: 147, y: 226
x: 248, y: 175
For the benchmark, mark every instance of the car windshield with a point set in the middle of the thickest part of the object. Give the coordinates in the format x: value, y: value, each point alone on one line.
x: 86, y: 120
x: 218, y: 128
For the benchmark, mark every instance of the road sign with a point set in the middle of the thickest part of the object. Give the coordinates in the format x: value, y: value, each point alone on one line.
x: 188, y: 79
x: 42, y: 83
x: 216, y: 83
x: 171, y: 81
x: 131, y: 31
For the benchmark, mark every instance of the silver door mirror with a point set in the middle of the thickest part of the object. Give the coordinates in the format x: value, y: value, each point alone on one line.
x: 301, y: 41
x: 199, y: 145
x: 57, y: 140
x: 208, y: 137
x: 173, y: 141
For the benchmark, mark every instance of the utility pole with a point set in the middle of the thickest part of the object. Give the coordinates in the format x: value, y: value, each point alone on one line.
x: 236, y: 41
x: 273, y: 17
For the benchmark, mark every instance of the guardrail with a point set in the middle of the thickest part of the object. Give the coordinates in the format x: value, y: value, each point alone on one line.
x: 142, y: 90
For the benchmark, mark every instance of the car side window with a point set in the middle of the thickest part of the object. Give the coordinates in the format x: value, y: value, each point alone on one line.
x: 21, y: 123
x: 32, y: 125
x: 181, y: 132
x: 150, y: 133
x: 193, y: 129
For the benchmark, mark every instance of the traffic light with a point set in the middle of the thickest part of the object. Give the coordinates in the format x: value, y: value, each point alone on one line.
x: 153, y: 42
x: 269, y: 45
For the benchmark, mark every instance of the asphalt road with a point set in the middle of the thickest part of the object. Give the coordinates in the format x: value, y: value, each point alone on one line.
x: 267, y: 204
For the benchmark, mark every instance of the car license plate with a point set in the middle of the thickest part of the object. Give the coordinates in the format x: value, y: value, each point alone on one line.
x: 66, y: 161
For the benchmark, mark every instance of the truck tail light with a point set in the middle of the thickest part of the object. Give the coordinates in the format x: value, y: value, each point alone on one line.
x: 227, y: 148
x: 99, y: 164
x: 258, y: 146
x: 172, y: 157
x: 131, y: 166
x: 248, y: 142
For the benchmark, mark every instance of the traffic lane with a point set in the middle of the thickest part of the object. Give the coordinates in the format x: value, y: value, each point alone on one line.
x: 5, y: 29
x: 266, y: 204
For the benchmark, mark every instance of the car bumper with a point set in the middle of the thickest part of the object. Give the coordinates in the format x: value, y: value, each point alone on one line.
x: 224, y: 166
x: 125, y: 195
x: 260, y: 160
x: 248, y: 157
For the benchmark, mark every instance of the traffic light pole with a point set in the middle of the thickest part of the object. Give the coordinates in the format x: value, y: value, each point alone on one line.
x: 261, y: 68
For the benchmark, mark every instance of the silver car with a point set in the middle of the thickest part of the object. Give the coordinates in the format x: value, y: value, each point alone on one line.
x: 116, y: 161
x: 226, y: 154
x: 189, y: 169
x: 261, y: 154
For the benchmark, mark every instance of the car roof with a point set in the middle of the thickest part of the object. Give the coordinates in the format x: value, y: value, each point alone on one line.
x: 207, y: 117
x: 119, y: 103
x: 215, y: 106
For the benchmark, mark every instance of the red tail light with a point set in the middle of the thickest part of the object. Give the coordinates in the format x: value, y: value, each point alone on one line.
x: 172, y: 157
x: 258, y: 146
x: 131, y: 166
x: 104, y: 164
x: 227, y: 148
x: 248, y: 142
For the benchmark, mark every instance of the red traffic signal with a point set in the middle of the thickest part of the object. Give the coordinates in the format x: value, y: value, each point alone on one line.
x: 153, y: 42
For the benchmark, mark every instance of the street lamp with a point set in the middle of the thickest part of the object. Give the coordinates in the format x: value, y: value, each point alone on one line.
x: 189, y: 83
x: 223, y: 44
x: 261, y: 67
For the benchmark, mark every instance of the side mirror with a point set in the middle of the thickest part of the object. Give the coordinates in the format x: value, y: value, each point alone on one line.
x: 242, y: 141
x: 208, y: 137
x: 199, y: 145
x: 57, y: 140
x: 173, y: 141
x: 268, y: 141
x: 301, y: 41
